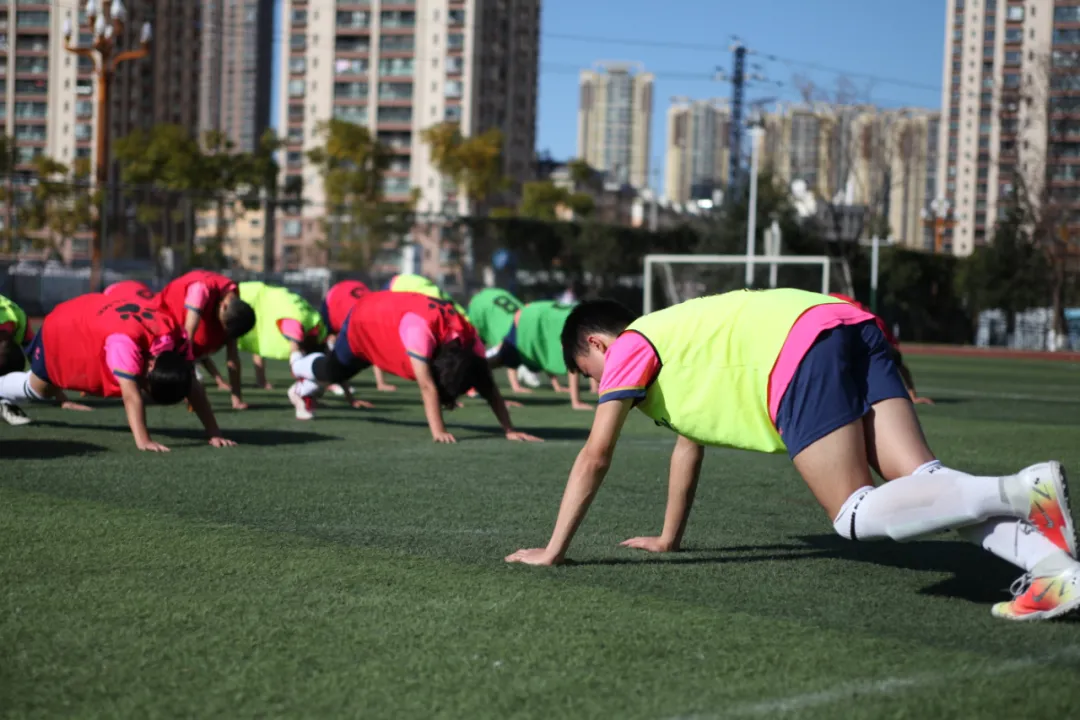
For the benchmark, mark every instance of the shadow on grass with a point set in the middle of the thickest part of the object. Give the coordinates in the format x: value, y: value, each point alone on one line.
x: 546, y: 433
x: 257, y: 437
x: 975, y: 575
x: 45, y: 449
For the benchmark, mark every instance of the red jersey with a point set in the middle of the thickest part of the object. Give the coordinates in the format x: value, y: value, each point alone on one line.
x: 340, y: 300
x: 130, y: 288
x: 880, y: 322
x: 210, y: 335
x: 74, y: 335
x: 375, y: 328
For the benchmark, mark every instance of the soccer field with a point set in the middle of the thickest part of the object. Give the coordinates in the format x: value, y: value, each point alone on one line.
x: 348, y: 567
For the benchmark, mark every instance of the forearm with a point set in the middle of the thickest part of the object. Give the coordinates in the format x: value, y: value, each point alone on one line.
x: 585, y: 479
x: 498, y: 408
x: 191, y: 324
x: 201, y: 406
x: 235, y: 375
x: 575, y: 389
x: 136, y: 416
x: 515, y: 382
x: 432, y: 409
x: 682, y: 485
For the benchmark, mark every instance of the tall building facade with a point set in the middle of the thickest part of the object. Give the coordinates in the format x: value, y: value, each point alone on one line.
x: 696, y: 157
x: 1010, y: 76
x: 236, y: 69
x: 614, y: 118
x: 399, y: 67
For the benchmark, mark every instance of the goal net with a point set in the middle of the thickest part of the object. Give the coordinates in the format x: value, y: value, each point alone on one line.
x: 672, y: 279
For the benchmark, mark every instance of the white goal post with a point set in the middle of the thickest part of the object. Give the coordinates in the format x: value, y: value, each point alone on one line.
x: 678, y: 290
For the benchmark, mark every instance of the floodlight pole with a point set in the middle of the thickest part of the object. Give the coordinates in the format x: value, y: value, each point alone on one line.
x: 751, y: 220
x: 875, y: 252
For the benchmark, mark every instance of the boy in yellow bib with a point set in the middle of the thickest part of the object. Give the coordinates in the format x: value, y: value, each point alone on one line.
x: 787, y: 370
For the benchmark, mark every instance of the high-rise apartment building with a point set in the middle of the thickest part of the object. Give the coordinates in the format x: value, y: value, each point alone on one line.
x: 697, y: 153
x: 399, y: 67
x: 1010, y: 75
x: 236, y: 69
x: 614, y: 119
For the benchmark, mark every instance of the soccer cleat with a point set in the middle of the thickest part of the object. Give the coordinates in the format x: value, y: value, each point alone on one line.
x: 303, y: 405
x: 1049, y: 497
x: 13, y: 414
x: 1042, y: 598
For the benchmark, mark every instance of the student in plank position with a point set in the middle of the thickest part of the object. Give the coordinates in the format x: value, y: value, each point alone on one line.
x: 787, y: 370
x: 113, y: 347
x: 208, y: 306
x: 16, y: 334
x: 335, y: 308
x: 417, y: 338
x: 534, y: 340
x: 284, y: 324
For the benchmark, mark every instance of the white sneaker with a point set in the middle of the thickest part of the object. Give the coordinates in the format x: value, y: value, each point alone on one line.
x: 302, y: 405
x: 199, y: 374
x: 528, y: 377
x: 13, y: 414
x: 339, y: 391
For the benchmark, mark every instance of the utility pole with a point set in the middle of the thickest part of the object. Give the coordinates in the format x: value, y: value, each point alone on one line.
x: 106, y: 25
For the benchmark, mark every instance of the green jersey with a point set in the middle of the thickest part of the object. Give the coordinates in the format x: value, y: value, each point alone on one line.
x: 273, y: 305
x: 491, y: 312
x: 539, y: 335
x: 12, y: 313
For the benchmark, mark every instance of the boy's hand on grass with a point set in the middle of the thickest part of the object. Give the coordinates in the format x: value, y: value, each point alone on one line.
x: 385, y: 387
x: 150, y: 446
x: 220, y: 442
x: 77, y: 407
x: 443, y: 438
x: 362, y: 405
x: 517, y: 436
x: 222, y: 385
x: 649, y: 544
x: 513, y: 404
x: 238, y: 404
x: 535, y: 556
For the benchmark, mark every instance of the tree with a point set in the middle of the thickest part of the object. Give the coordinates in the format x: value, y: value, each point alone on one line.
x: 60, y: 203
x: 474, y: 164
x: 7, y: 169
x: 221, y: 170
x: 353, y: 164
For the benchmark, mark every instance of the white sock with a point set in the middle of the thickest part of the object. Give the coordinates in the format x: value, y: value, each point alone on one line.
x: 307, y: 388
x: 1017, y: 542
x: 303, y: 366
x: 15, y: 387
x: 935, y: 499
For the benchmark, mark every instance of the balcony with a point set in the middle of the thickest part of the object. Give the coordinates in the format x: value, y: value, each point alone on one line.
x: 396, y: 91
x: 352, y: 44
x: 397, y: 20
x: 351, y: 90
x: 343, y: 66
x: 356, y: 114
x: 395, y: 115
x: 31, y: 87
x: 397, y: 43
x: 357, y: 20
x: 396, y: 67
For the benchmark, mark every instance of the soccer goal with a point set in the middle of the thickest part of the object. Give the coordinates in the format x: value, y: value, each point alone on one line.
x: 672, y: 279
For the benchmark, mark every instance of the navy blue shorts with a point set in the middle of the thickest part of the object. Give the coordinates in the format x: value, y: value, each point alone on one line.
x: 36, y: 352
x: 846, y: 371
x: 324, y: 313
x: 344, y: 355
x: 508, y: 352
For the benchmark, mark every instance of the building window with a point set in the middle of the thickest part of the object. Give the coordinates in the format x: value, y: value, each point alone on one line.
x: 455, y: 65
x: 296, y: 112
x: 35, y: 65
x: 396, y: 185
x: 297, y: 65
x: 351, y: 91
x: 1015, y: 13
x: 296, y: 88
x: 393, y: 19
x: 291, y: 228
x: 34, y: 110
x: 453, y: 113
x: 453, y: 89
x: 396, y: 140
x: 358, y: 20
x: 299, y: 16
x: 356, y: 114
x: 455, y: 41
x: 351, y: 67
x: 397, y: 43
x: 33, y: 87
x: 297, y: 41
x: 1013, y: 57
x: 295, y: 135
x: 30, y: 133
x: 1014, y: 35
x: 455, y: 18
x: 395, y: 91
x: 347, y: 44
x: 32, y: 19
x: 396, y: 66
x: 397, y: 115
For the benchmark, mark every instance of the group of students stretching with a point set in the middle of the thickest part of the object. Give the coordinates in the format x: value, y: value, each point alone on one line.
x: 770, y: 371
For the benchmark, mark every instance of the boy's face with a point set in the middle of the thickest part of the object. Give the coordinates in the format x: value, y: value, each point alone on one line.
x: 591, y: 363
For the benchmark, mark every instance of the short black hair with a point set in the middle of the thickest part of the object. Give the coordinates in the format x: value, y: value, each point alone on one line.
x: 592, y: 317
x: 313, y: 344
x: 239, y: 318
x: 456, y: 369
x: 11, y: 356
x: 170, y: 380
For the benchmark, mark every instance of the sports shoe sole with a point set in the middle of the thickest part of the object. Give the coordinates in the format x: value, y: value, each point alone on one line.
x: 302, y: 413
x: 1060, y: 610
x: 1061, y: 487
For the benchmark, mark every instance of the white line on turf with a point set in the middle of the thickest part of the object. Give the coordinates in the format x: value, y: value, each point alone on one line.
x: 882, y: 686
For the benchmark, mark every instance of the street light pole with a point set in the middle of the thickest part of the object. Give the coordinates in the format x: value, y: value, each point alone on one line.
x: 106, y: 24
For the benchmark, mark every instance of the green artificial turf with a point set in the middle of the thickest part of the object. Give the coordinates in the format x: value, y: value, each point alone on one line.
x: 348, y: 567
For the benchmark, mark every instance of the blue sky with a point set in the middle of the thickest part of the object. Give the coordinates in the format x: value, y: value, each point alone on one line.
x: 894, y: 39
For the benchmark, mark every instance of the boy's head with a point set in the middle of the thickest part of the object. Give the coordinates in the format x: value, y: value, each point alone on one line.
x: 590, y: 329
x: 11, y: 355
x: 169, y: 378
x: 456, y: 369
x: 236, y: 316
